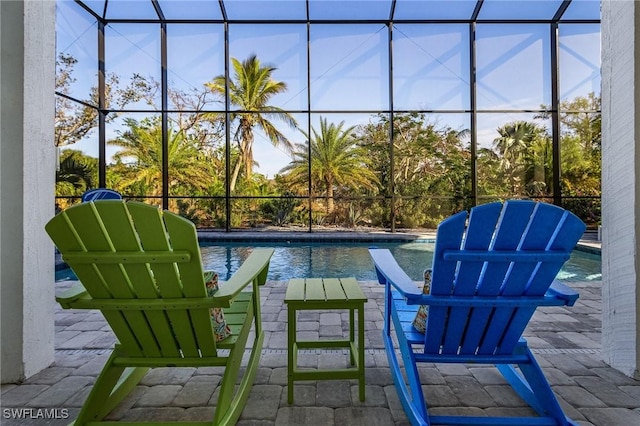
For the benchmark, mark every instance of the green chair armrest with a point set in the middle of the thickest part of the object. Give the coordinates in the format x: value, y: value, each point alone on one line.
x: 253, y: 270
x: 67, y: 297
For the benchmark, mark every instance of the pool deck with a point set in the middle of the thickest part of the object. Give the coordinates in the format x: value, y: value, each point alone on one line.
x: 566, y: 342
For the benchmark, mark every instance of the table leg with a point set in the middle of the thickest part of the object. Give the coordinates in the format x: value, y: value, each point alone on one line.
x: 291, y: 340
x: 352, y: 336
x: 361, y: 351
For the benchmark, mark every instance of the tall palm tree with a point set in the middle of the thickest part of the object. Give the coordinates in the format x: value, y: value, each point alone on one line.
x: 250, y: 91
x: 336, y: 161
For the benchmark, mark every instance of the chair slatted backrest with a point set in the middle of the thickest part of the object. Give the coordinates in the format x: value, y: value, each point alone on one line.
x: 506, y: 251
x: 135, y: 252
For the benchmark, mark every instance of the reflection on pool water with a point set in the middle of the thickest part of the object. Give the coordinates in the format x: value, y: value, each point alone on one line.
x: 314, y: 260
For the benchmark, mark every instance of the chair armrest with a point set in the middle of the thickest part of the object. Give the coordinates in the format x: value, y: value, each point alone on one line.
x: 389, y: 272
x: 564, y: 292
x: 70, y: 295
x: 253, y: 270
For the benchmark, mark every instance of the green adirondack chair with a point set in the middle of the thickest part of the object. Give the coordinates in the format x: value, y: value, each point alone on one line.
x: 141, y: 267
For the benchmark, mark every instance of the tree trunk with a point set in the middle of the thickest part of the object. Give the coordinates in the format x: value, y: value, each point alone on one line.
x: 244, y: 157
x: 234, y: 175
x: 330, y: 203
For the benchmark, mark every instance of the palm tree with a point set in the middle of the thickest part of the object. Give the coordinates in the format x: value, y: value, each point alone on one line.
x: 140, y: 158
x: 336, y: 161
x: 77, y: 172
x: 513, y: 141
x: 250, y: 92
x: 512, y: 145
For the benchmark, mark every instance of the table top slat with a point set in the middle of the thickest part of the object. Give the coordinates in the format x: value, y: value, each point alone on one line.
x: 333, y: 289
x: 295, y: 290
x: 324, y: 290
x: 315, y: 290
x: 352, y: 290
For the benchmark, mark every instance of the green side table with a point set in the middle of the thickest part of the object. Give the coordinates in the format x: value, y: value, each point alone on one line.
x: 322, y: 294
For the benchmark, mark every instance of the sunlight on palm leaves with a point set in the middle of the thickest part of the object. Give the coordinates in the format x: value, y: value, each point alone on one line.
x: 250, y: 91
x: 336, y: 162
x: 141, y: 150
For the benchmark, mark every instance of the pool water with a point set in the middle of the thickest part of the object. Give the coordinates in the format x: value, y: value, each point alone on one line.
x: 314, y: 260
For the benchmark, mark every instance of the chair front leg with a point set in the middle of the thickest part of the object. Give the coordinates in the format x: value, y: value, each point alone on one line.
x: 256, y: 307
x: 388, y: 300
x: 112, y: 386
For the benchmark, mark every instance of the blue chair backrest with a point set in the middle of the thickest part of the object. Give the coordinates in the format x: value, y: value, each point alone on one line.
x: 511, y: 251
x: 101, y: 194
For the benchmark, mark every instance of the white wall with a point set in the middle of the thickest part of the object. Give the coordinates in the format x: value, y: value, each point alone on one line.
x: 27, y: 176
x: 620, y: 184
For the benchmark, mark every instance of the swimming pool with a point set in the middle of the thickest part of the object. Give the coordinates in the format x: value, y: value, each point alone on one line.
x: 314, y: 260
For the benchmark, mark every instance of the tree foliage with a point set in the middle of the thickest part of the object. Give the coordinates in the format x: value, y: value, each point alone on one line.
x: 356, y: 174
x: 140, y: 158
x: 338, y: 164
x: 430, y: 176
x: 76, y: 173
x: 76, y: 120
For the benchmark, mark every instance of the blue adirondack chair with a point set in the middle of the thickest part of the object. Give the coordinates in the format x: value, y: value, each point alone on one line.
x: 490, y: 271
x: 100, y: 194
